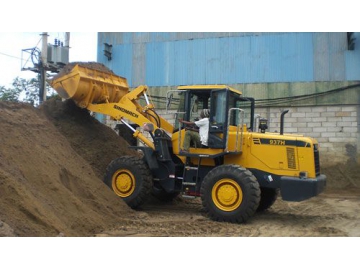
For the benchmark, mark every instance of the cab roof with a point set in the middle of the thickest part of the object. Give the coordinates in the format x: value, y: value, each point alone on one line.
x: 208, y: 87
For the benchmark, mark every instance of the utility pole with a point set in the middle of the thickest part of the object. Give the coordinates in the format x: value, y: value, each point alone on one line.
x: 43, y: 66
x: 51, y: 58
x: 67, y: 39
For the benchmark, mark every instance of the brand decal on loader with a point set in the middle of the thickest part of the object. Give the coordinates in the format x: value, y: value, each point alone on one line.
x: 126, y: 111
x: 277, y: 142
x: 281, y: 142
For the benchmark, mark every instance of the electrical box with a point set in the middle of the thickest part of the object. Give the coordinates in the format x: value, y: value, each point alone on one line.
x: 57, y: 54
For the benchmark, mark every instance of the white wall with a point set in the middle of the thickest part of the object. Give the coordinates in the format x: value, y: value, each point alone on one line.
x: 334, y: 127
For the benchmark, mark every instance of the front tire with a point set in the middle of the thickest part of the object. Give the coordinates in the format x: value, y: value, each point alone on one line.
x: 268, y: 198
x: 130, y: 178
x: 230, y: 193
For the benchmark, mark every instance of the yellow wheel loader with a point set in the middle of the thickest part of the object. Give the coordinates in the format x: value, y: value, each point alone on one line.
x: 241, y: 172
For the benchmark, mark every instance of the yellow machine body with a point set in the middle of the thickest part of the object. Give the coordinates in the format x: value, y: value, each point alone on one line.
x: 109, y: 94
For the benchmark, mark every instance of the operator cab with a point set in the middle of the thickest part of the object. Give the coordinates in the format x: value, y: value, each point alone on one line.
x: 228, y: 110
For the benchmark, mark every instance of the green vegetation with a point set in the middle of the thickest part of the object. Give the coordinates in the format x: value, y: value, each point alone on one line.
x: 24, y: 90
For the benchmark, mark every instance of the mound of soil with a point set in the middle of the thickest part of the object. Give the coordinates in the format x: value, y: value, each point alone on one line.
x: 51, y: 165
x: 343, y: 176
x: 95, y: 142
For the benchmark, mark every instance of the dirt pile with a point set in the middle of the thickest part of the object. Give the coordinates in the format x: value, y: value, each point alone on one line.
x: 343, y: 176
x: 96, y: 143
x: 51, y: 161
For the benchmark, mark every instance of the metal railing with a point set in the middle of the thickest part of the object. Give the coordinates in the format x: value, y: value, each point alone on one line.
x: 241, y: 116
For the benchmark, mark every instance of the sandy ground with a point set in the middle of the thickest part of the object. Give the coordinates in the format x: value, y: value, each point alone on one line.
x: 52, y: 161
x: 330, y: 214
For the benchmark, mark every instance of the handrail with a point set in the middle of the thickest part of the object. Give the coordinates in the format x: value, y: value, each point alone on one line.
x: 179, y: 129
x: 242, y: 113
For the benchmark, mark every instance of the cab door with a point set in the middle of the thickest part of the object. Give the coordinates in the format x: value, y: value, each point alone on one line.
x: 218, y: 119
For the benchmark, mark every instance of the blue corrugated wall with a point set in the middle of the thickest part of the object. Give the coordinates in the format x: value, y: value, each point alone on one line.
x: 171, y: 59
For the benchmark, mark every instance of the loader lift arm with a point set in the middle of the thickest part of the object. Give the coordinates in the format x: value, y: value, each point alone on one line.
x: 130, y: 109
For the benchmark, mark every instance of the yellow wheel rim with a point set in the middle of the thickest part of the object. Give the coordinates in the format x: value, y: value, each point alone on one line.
x: 227, y: 195
x: 123, y: 183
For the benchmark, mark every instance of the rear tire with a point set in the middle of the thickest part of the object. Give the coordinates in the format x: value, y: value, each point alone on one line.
x: 130, y: 178
x: 230, y: 193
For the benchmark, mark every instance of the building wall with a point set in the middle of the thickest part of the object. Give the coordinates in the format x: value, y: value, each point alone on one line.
x: 171, y: 59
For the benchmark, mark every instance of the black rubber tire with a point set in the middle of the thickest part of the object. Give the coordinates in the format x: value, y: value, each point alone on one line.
x: 160, y: 194
x: 267, y: 198
x: 143, y: 181
x: 243, y: 180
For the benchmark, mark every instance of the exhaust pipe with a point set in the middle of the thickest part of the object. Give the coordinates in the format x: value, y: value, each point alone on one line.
x: 282, y: 121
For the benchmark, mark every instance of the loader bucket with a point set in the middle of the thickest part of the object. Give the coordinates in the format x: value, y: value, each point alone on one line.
x: 89, y: 85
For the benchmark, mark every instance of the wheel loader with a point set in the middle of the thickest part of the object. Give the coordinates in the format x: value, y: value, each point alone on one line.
x: 243, y: 169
